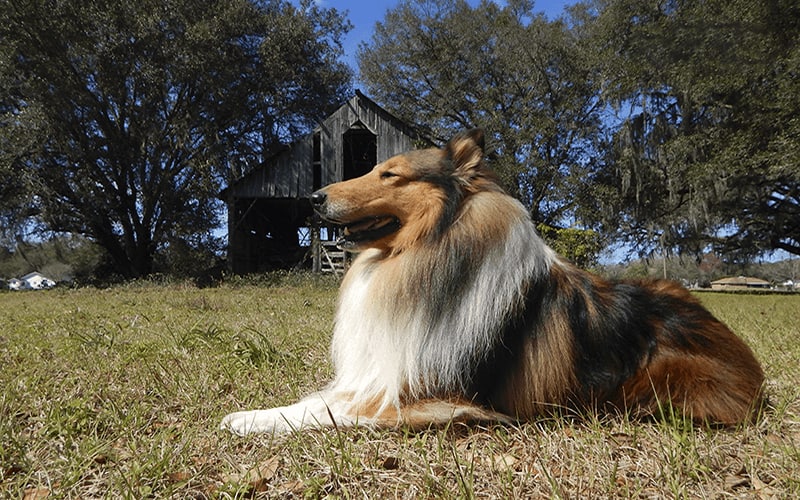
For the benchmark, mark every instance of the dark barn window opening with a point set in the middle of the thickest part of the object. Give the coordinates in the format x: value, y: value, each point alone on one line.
x: 360, y: 152
x: 316, y: 162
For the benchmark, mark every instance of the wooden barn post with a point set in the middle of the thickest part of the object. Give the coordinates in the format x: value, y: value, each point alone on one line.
x: 316, y: 250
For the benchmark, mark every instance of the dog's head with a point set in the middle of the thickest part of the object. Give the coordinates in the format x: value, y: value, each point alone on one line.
x: 407, y: 198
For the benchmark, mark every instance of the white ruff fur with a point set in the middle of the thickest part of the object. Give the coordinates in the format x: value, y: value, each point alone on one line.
x: 385, y: 352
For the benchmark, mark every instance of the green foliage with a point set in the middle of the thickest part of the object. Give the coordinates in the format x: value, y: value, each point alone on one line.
x: 445, y: 65
x: 126, y: 118
x: 701, y: 272
x: 61, y: 258
x: 671, y: 126
x: 581, y: 246
x: 706, y: 153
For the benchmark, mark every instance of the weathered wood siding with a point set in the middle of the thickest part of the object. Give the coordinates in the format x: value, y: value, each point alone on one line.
x: 268, y: 204
x: 393, y: 136
x: 285, y: 175
x: 289, y: 174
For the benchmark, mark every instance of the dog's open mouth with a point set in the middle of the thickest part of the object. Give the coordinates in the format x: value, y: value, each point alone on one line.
x: 357, y: 233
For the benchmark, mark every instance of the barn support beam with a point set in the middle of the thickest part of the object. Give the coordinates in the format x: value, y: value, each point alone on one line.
x: 316, y: 246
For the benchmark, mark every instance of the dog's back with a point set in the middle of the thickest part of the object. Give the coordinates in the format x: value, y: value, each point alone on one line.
x: 638, y: 347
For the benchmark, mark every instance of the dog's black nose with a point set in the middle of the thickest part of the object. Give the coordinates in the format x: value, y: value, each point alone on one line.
x: 318, y: 198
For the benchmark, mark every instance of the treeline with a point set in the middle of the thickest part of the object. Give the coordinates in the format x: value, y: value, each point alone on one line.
x: 701, y: 272
x: 77, y: 261
x: 669, y: 127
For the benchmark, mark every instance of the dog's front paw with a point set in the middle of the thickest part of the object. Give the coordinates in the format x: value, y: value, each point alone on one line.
x: 242, y: 423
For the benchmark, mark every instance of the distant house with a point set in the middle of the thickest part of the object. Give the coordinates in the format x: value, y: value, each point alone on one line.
x: 270, y: 221
x: 740, y: 283
x: 36, y: 281
x: 791, y: 285
x: 15, y: 284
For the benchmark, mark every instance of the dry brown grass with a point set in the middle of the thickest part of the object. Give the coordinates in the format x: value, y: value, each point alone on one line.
x: 119, y: 392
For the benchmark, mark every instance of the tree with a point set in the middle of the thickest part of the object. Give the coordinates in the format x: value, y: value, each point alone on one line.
x: 15, y: 185
x: 62, y: 258
x: 706, y: 153
x: 447, y: 66
x: 125, y: 118
x: 581, y: 246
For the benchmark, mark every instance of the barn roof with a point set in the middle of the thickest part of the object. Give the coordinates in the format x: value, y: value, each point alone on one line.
x: 385, y: 115
x: 287, y: 173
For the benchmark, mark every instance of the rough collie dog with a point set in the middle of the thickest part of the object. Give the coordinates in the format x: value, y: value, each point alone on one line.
x: 455, y: 309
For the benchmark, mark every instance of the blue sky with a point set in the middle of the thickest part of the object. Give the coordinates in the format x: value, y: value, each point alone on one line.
x: 364, y: 15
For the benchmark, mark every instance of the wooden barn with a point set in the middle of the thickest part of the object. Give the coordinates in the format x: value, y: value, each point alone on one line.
x: 270, y: 221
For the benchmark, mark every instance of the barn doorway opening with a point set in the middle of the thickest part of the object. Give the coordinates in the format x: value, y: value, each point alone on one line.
x: 360, y: 151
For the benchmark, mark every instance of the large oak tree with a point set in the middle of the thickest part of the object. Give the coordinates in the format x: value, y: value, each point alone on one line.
x: 446, y: 65
x: 706, y: 152
x: 121, y: 120
x: 670, y: 125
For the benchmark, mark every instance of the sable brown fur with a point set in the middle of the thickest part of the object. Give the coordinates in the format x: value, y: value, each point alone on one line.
x: 634, y: 347
x: 455, y: 309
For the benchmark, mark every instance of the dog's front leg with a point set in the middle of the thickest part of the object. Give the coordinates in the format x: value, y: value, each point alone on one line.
x: 317, y: 410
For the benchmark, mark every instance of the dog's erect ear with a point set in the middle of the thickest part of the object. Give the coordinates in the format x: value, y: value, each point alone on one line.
x: 465, y: 151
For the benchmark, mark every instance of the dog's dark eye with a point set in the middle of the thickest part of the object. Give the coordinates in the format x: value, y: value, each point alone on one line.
x: 387, y: 175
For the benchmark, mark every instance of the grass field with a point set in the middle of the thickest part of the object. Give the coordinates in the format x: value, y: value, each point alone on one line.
x: 119, y: 392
